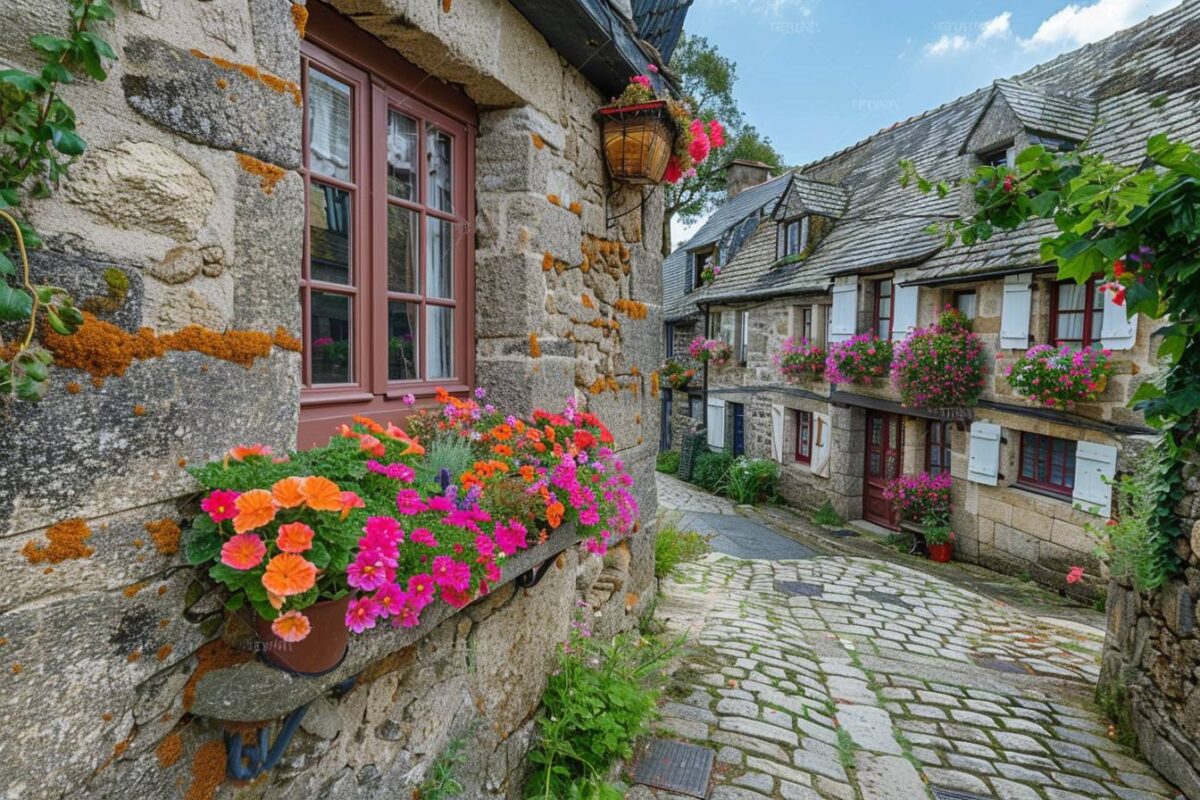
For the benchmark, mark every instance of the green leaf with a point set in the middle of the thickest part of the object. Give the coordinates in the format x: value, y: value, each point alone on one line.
x: 23, y: 81
x: 235, y: 601
x: 67, y: 142
x: 7, y: 267
x: 101, y: 47
x: 15, y: 304
x: 1044, y: 204
x: 51, y: 45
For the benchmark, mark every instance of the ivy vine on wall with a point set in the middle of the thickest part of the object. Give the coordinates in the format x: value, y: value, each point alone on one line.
x: 38, y: 143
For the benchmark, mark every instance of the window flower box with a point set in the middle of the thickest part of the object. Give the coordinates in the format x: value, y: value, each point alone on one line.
x: 1060, y: 377
x: 941, y: 366
x: 373, y: 528
x: 798, y: 361
x: 717, y: 352
x: 679, y: 373
x: 859, y: 359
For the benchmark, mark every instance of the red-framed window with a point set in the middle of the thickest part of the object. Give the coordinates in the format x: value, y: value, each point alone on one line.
x: 804, y: 436
x: 1076, y: 313
x: 1047, y: 463
x: 387, y: 277
x: 881, y: 321
x: 937, y: 447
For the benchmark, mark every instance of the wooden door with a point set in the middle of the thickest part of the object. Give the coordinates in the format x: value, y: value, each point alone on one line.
x: 884, y: 457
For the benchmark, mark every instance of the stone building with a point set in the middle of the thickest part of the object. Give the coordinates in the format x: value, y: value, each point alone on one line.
x: 838, y: 247
x: 400, y: 195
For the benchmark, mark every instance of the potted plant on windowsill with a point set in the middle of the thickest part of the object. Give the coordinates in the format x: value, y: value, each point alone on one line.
x: 1060, y: 377
x: 717, y: 352
x: 376, y: 526
x: 677, y: 373
x: 800, y: 361
x: 859, y: 359
x: 918, y: 499
x: 941, y: 366
x: 648, y: 139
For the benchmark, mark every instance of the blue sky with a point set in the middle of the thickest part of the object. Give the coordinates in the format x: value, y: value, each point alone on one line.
x: 819, y: 75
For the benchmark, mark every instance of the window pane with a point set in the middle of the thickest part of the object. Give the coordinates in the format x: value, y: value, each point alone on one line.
x: 402, y: 243
x: 441, y: 184
x: 1028, y: 454
x: 1070, y: 327
x: 965, y: 303
x: 329, y: 234
x: 328, y: 126
x: 330, y: 350
x: 439, y: 330
x: 885, y: 288
x: 402, y: 341
x: 1097, y: 312
x: 439, y: 258
x: 1070, y: 296
x: 402, y: 156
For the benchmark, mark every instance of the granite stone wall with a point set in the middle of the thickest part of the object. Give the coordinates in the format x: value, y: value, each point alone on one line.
x: 189, y: 198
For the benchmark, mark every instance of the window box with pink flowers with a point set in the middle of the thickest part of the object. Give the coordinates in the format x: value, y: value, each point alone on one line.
x: 859, y: 359
x: 1060, y: 377
x: 941, y: 366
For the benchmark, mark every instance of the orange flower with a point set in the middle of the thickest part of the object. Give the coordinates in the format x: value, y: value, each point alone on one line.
x: 242, y: 451
x: 368, y: 423
x: 554, y: 515
x: 502, y: 450
x: 321, y: 494
x: 291, y: 626
x: 295, y: 537
x: 414, y: 447
x: 369, y: 444
x: 549, y: 433
x: 527, y: 473
x: 286, y: 493
x: 288, y: 574
x: 255, y: 509
x: 469, y: 479
x: 350, y: 500
x: 502, y: 433
x: 442, y: 395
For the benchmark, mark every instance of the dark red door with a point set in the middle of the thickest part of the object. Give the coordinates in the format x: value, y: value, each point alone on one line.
x: 885, y: 443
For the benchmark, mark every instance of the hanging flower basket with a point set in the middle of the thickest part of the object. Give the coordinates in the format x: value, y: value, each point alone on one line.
x: 713, y: 351
x: 678, y: 372
x: 941, y: 366
x: 638, y: 141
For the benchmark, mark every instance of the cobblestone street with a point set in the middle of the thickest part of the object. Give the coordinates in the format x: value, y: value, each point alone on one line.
x: 848, y: 677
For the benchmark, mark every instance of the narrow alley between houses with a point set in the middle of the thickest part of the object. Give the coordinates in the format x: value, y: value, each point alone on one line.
x: 822, y: 675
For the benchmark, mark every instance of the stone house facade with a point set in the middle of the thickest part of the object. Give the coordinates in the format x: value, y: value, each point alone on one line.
x: 397, y: 195
x: 839, y: 248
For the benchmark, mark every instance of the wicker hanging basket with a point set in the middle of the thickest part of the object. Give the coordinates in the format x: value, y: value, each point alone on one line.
x: 638, y: 140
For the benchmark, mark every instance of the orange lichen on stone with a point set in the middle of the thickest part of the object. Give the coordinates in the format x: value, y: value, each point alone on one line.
x: 555, y: 199
x: 120, y: 748
x: 222, y: 83
x: 268, y: 175
x: 162, y: 590
x: 162, y: 623
x: 214, y: 655
x: 535, y: 349
x: 285, y: 341
x: 547, y: 262
x: 164, y: 652
x: 300, y: 19
x: 3, y: 640
x: 136, y: 655
x: 273, y: 82
x: 139, y: 410
x: 182, y: 463
x: 635, y: 371
x: 587, y: 301
x: 165, y: 533
x: 104, y: 350
x: 47, y: 570
x: 637, y: 419
x: 169, y: 750
x: 598, y: 386
x: 208, y: 771
x: 16, y: 669
x: 446, y: 6
x: 538, y: 141
x: 631, y: 308
x: 576, y: 208
x: 133, y: 588
x: 73, y: 388
x: 106, y: 716
x: 67, y: 540
x: 138, y: 543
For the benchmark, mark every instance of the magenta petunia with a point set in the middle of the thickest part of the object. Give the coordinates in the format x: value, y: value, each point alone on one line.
x: 389, y: 597
x: 408, y: 502
x: 423, y: 536
x: 368, y: 571
x: 511, y: 537
x: 452, y: 574
x: 361, y: 614
x: 421, y: 589
x: 220, y: 505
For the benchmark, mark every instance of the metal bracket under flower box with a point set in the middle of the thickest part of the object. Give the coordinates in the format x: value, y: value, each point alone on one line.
x: 254, y: 691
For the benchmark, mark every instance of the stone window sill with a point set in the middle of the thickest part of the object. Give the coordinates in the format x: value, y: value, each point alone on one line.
x: 253, y: 691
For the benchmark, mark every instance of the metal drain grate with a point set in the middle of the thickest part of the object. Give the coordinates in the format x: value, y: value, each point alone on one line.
x: 885, y: 599
x: 1000, y: 665
x: 800, y: 588
x: 954, y: 794
x: 844, y: 533
x: 676, y: 767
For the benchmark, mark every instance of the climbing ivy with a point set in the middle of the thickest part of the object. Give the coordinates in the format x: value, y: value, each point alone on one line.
x: 1139, y: 226
x: 38, y: 142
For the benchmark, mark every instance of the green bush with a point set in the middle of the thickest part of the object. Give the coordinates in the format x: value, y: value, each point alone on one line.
x: 673, y: 546
x: 826, y: 515
x: 711, y: 470
x: 752, y: 480
x: 601, y: 699
x: 668, y: 462
x: 1129, y: 542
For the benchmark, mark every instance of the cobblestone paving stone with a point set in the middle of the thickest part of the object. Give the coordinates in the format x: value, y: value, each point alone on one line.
x: 871, y: 691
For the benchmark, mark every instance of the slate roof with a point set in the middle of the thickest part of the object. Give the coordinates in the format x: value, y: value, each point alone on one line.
x: 1120, y: 90
x: 808, y: 195
x: 660, y: 23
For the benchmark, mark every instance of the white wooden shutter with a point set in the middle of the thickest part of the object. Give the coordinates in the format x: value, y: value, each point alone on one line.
x: 904, y: 310
x: 820, y: 445
x: 716, y: 424
x: 1014, y: 313
x: 844, y: 321
x: 777, y: 419
x: 1095, y: 465
x: 984, y: 462
x: 1117, y: 331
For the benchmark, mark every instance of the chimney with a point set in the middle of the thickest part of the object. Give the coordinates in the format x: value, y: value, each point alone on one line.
x: 740, y: 175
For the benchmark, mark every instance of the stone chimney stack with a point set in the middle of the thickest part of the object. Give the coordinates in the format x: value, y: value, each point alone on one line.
x: 740, y: 175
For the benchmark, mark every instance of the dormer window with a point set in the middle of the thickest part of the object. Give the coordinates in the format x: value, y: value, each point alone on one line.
x: 1055, y: 144
x: 795, y: 236
x: 1001, y: 157
x: 699, y: 262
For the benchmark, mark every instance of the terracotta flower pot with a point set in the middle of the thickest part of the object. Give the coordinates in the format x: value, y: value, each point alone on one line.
x: 638, y: 140
x: 315, y: 654
x: 942, y: 553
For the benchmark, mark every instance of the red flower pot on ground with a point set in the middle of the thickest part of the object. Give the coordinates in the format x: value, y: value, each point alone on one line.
x: 942, y: 553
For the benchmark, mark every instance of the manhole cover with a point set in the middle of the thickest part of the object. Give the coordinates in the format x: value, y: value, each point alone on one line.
x: 885, y: 598
x: 843, y: 533
x: 800, y: 588
x: 676, y: 767
x: 952, y: 794
x: 1000, y: 665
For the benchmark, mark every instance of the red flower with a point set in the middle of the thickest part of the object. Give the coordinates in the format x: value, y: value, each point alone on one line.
x: 673, y: 172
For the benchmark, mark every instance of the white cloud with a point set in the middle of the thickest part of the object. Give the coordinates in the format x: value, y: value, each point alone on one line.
x: 769, y: 7
x: 1077, y: 25
x: 949, y: 43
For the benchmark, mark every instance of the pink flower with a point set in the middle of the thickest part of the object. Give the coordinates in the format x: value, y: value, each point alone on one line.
x: 511, y: 537
x: 408, y: 399
x: 451, y: 574
x: 455, y: 597
x: 595, y: 546
x: 390, y: 598
x: 641, y: 80
x: 291, y: 626
x: 220, y: 505
x: 1075, y: 575
x: 699, y: 147
x: 368, y: 571
x: 244, y: 551
x: 408, y: 613
x: 408, y: 502
x: 485, y: 546
x: 421, y: 589
x: 400, y: 472
x: 361, y: 614
x: 716, y: 134
x: 423, y: 536
x: 652, y: 68
x: 674, y: 171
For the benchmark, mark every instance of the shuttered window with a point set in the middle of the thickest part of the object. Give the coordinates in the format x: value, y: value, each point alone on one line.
x: 1047, y: 463
x: 882, y: 322
x: 804, y: 436
x: 1077, y: 313
x: 937, y: 447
